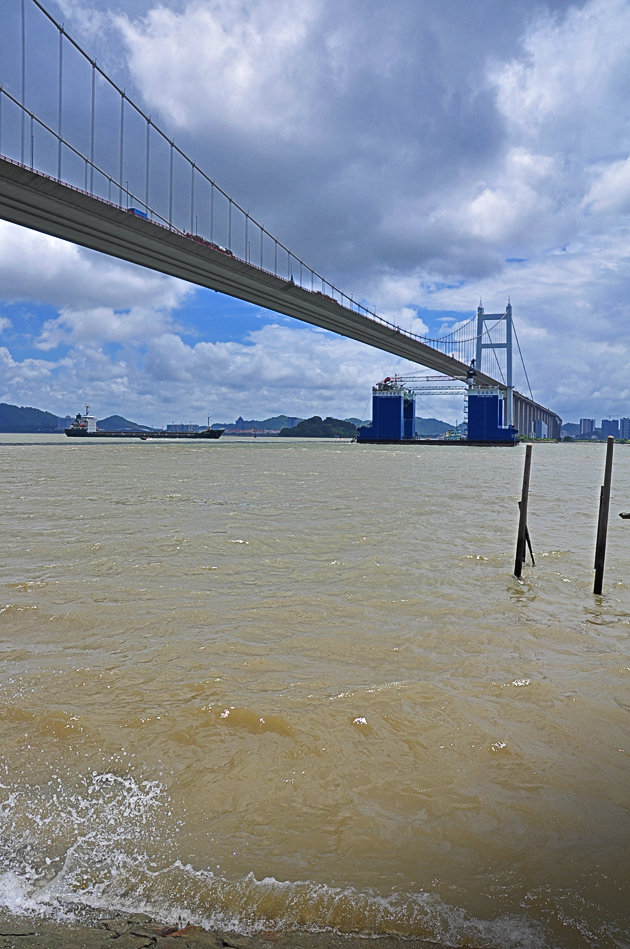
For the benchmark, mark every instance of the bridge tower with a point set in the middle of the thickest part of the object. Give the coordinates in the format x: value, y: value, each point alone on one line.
x: 484, y: 342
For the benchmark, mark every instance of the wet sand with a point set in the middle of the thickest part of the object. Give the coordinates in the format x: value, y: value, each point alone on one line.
x: 126, y: 931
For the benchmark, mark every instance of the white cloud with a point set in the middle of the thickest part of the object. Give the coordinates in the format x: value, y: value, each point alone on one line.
x: 572, y: 69
x: 63, y: 386
x: 240, y: 60
x: 102, y: 325
x: 18, y: 375
x: 40, y: 268
x: 521, y: 196
x: 85, y: 17
x: 610, y: 191
x: 275, y: 368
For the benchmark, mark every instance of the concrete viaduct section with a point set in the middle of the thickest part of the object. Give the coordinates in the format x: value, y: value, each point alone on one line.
x: 526, y: 412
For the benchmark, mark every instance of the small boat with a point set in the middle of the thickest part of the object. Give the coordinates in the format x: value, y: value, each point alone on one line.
x: 84, y: 426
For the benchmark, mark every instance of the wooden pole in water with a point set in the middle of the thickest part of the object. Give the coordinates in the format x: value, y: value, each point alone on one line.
x: 522, y: 520
x: 602, y: 523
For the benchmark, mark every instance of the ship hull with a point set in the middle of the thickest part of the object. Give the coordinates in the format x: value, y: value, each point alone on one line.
x: 209, y: 433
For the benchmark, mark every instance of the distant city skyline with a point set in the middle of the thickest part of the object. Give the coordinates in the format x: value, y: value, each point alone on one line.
x: 617, y: 427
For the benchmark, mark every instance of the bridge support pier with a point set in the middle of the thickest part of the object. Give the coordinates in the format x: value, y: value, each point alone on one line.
x: 527, y: 413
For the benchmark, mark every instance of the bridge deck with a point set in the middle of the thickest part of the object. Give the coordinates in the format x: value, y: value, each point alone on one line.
x: 44, y: 204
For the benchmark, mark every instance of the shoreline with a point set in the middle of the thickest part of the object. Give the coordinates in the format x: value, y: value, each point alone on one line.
x: 137, y: 931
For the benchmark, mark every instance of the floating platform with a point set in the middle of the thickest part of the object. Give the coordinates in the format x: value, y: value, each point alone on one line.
x: 435, y: 441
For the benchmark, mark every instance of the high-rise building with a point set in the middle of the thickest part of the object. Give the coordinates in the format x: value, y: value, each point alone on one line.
x: 610, y: 426
x: 587, y: 426
x: 624, y: 428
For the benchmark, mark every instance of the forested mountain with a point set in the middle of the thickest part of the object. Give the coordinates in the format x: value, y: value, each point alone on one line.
x: 17, y: 418
x: 316, y: 427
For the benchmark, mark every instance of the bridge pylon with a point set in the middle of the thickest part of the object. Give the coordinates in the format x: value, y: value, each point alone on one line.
x: 485, y: 342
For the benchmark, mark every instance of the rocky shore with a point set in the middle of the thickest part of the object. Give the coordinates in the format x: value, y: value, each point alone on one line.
x: 123, y: 931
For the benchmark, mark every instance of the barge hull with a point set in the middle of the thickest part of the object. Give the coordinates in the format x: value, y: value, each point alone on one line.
x: 435, y: 441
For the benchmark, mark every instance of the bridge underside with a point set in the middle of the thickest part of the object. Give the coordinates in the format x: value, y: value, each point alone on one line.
x: 44, y: 204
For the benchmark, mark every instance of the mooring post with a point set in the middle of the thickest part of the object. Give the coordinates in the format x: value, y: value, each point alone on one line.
x: 522, y: 520
x: 602, y: 523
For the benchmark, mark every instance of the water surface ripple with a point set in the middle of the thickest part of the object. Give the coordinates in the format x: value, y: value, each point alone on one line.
x: 286, y: 684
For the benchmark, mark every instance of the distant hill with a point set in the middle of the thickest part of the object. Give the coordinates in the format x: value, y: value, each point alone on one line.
x: 17, y: 418
x: 273, y: 424
x: 116, y: 423
x: 431, y: 427
x: 316, y: 427
x: 425, y: 427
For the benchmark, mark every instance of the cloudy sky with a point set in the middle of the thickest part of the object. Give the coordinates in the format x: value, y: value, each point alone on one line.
x: 422, y: 154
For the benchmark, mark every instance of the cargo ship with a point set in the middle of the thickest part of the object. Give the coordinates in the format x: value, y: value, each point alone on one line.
x: 84, y: 426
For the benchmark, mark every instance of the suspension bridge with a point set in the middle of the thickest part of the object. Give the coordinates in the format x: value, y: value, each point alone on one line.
x: 80, y: 160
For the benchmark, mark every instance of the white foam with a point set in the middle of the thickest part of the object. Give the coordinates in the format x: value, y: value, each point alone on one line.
x: 97, y: 846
